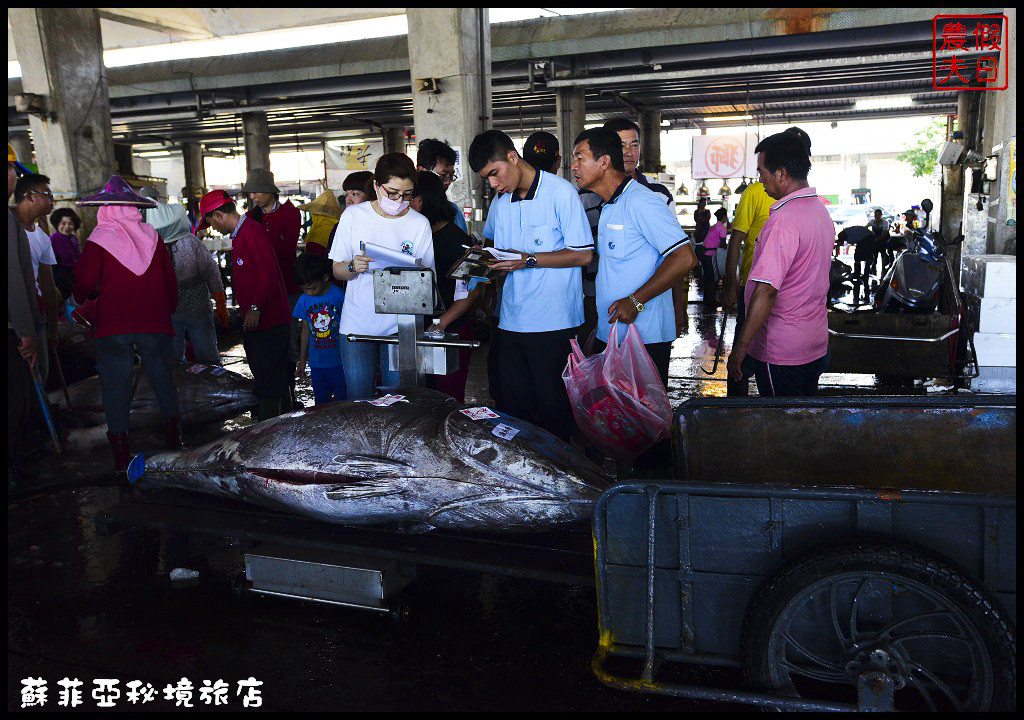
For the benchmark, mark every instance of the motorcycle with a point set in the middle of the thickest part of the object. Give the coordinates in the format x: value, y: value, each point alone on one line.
x: 914, y: 281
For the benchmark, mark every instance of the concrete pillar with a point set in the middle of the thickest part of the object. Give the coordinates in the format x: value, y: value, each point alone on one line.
x: 61, y: 55
x: 257, y: 140
x: 952, y: 208
x: 570, y: 119
x: 650, y: 141
x: 453, y: 47
x: 123, y: 165
x: 22, y: 145
x: 394, y: 139
x: 195, y: 176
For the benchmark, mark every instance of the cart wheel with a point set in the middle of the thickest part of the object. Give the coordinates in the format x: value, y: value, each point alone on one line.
x: 871, y: 604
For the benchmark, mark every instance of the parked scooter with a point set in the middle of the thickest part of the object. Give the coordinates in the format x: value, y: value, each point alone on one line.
x: 915, y: 279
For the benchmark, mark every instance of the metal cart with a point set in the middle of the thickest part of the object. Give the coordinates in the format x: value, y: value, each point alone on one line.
x: 893, y: 590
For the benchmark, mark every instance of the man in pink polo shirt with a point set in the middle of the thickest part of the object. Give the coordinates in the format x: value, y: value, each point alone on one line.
x: 784, y: 339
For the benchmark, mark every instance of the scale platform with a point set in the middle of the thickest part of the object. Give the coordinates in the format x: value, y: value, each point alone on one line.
x: 323, y: 576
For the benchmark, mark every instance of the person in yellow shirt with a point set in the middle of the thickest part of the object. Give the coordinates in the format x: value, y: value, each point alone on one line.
x: 751, y: 214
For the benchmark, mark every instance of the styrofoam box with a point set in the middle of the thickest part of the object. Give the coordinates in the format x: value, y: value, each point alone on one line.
x: 995, y: 379
x: 991, y: 314
x: 996, y: 349
x: 990, y: 275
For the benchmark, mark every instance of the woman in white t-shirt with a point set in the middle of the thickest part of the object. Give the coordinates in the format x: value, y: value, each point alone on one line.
x: 388, y: 222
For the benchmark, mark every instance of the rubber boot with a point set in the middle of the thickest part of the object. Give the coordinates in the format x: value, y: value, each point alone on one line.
x: 268, y: 408
x: 119, y: 444
x: 172, y: 432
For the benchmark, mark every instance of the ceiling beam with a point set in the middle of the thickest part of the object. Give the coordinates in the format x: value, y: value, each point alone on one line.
x: 755, y: 69
x: 167, y: 27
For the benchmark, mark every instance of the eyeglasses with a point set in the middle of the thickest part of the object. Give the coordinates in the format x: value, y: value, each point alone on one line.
x: 395, y: 195
x: 451, y: 176
x: 46, y: 194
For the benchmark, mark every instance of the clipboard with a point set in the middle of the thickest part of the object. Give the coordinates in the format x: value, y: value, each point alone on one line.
x: 474, y: 263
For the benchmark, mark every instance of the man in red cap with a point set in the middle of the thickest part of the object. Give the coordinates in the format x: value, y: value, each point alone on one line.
x: 260, y: 292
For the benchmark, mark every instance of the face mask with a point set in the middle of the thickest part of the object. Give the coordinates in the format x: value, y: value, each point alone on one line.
x: 389, y: 206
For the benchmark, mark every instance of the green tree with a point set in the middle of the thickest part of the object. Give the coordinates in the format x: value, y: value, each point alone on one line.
x: 923, y: 154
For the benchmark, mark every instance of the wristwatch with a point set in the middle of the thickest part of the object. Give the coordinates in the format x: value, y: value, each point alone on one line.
x: 351, y: 266
x: 253, y: 308
x: 639, y: 305
x: 531, y: 261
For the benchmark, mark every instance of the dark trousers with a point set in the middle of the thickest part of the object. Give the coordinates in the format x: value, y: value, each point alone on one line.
x: 659, y: 352
x: 530, y: 368
x: 786, y: 380
x: 707, y: 264
x: 114, y: 363
x: 454, y: 384
x: 589, y: 320
x: 19, y: 396
x: 738, y: 388
x: 493, y: 372
x: 267, y: 354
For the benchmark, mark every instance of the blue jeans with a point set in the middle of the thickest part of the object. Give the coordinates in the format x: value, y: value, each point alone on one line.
x: 200, y: 330
x: 360, y: 361
x: 114, y: 363
x: 328, y: 384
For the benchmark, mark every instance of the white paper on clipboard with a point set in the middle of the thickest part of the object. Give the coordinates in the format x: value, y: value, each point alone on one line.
x: 386, y: 257
x: 503, y: 254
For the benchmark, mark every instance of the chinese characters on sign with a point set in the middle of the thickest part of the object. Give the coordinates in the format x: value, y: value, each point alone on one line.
x: 724, y: 156
x: 106, y: 693
x: 970, y: 52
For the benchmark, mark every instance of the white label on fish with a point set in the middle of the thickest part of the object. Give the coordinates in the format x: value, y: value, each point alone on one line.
x: 386, y: 400
x: 196, y: 369
x: 479, y: 413
x: 505, y: 431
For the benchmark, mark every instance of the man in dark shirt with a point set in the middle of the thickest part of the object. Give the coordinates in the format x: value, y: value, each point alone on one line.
x: 24, y: 322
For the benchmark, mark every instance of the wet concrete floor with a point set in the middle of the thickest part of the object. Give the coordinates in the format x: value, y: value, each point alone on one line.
x: 91, y: 607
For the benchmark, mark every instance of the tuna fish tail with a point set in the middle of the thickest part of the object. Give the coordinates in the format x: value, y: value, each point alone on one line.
x: 136, y: 468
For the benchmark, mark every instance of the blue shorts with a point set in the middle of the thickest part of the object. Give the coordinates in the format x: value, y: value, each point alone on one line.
x: 328, y: 384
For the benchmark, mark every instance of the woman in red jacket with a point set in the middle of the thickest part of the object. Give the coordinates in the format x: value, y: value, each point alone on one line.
x: 126, y: 267
x: 282, y: 222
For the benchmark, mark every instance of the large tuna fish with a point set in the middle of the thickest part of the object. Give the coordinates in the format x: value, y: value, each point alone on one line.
x: 205, y: 394
x: 419, y: 461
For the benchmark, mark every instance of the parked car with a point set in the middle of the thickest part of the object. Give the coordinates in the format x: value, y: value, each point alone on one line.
x: 843, y: 215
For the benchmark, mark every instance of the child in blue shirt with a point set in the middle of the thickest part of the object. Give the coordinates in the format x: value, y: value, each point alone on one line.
x: 319, y: 310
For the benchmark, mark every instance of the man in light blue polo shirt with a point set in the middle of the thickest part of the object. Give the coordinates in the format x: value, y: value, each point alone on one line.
x: 643, y: 250
x: 540, y: 217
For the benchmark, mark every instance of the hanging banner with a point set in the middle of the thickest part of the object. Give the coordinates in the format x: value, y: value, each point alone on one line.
x: 724, y: 156
x: 342, y: 159
x: 1011, y: 186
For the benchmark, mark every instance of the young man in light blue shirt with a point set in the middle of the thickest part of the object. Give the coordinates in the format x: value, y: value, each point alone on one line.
x: 643, y: 250
x: 540, y: 217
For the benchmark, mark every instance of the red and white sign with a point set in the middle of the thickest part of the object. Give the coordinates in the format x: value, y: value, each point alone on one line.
x: 724, y: 156
x: 970, y: 52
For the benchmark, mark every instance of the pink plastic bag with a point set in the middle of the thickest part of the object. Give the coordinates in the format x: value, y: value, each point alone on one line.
x: 617, y: 396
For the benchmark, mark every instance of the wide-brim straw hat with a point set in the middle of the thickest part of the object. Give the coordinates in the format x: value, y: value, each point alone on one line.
x: 117, y: 192
x: 261, y: 181
x: 326, y: 204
